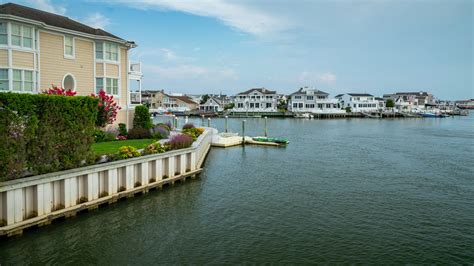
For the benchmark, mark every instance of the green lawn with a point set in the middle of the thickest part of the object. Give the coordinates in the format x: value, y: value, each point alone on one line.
x: 110, y: 147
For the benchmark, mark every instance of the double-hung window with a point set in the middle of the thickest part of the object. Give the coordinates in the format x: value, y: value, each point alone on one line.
x: 112, y: 86
x: 23, y: 80
x: 3, y: 33
x: 21, y: 36
x: 111, y: 51
x: 4, y: 79
x: 68, y: 47
x: 99, y: 50
x: 99, y: 84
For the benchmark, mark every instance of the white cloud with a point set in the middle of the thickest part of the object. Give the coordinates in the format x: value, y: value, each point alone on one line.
x: 48, y: 6
x: 236, y: 15
x: 97, y: 20
x: 190, y: 73
x: 308, y: 78
x: 327, y: 78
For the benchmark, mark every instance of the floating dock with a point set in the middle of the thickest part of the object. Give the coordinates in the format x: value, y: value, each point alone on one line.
x: 223, y: 140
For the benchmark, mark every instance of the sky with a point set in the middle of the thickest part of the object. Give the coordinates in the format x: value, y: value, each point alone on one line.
x: 224, y: 46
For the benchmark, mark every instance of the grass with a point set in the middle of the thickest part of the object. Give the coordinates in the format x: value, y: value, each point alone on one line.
x: 110, y: 147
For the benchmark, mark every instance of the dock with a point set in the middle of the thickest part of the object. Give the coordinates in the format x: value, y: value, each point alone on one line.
x: 224, y: 141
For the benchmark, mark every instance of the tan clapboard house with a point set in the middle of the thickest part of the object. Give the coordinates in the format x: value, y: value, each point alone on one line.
x: 38, y: 49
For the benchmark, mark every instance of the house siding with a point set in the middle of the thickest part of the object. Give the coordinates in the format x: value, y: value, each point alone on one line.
x: 53, y: 65
x: 99, y: 70
x: 4, y: 58
x: 123, y: 76
x: 23, y: 59
x: 112, y: 70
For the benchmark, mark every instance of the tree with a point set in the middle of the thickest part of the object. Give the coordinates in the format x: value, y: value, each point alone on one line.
x: 282, y: 105
x: 142, y: 118
x: 389, y: 103
x: 108, y: 109
x: 204, y: 99
x: 348, y: 109
x: 229, y: 106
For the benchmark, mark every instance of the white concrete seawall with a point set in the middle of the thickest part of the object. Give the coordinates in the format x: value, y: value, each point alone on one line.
x: 38, y: 200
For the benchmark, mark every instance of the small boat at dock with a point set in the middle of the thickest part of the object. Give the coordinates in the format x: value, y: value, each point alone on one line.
x: 274, y: 140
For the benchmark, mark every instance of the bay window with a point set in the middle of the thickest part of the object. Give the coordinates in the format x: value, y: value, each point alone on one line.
x: 99, y: 50
x: 3, y: 33
x: 21, y: 35
x: 99, y: 84
x: 4, y: 79
x: 112, y: 86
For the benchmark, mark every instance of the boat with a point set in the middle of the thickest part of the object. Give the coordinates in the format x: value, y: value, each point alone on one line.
x: 303, y: 115
x: 433, y: 115
x: 274, y: 140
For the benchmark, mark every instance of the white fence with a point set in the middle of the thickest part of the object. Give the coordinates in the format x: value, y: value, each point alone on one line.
x: 39, y: 199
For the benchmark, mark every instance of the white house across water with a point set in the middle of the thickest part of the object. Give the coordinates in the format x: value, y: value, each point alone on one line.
x: 358, y: 102
x: 309, y: 100
x: 256, y: 100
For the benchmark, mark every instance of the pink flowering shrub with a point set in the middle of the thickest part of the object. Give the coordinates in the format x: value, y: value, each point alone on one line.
x: 108, y: 109
x: 57, y: 90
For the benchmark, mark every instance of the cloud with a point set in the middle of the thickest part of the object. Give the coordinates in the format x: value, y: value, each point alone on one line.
x: 327, y: 78
x: 309, y: 78
x: 190, y: 72
x: 97, y: 20
x: 48, y: 6
x: 236, y: 15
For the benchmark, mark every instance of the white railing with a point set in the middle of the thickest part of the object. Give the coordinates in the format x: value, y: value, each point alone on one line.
x: 38, y: 199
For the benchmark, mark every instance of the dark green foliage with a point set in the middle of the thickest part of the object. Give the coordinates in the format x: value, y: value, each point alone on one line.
x: 44, y: 133
x: 229, y: 106
x: 204, y: 99
x: 390, y: 103
x: 348, y: 109
x: 139, y: 133
x: 142, y: 118
x: 122, y: 129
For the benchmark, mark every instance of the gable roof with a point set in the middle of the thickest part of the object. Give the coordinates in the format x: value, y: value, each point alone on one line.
x: 185, y: 99
x: 361, y: 94
x: 51, y: 19
x: 339, y: 95
x: 261, y: 90
x: 303, y: 91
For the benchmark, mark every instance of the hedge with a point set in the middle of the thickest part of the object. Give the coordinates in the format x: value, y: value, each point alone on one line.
x: 44, y: 133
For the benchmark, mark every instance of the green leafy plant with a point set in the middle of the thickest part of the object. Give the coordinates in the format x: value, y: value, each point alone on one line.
x: 193, y: 132
x: 348, y: 109
x: 45, y: 133
x: 139, y: 133
x: 389, y: 103
x: 154, y: 148
x: 122, y: 129
x: 126, y: 152
x: 142, y: 118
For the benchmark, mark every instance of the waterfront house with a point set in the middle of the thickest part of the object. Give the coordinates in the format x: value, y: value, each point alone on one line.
x: 411, y: 101
x: 215, y: 103
x: 178, y: 103
x: 358, y: 102
x: 39, y: 48
x: 310, y: 100
x: 256, y: 100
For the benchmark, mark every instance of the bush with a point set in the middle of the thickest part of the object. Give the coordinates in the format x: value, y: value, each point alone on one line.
x: 107, y: 109
x: 348, y: 109
x: 160, y: 132
x: 99, y: 135
x: 142, y: 118
x: 180, y: 141
x: 109, y: 136
x: 139, y: 133
x: 44, y: 133
x: 154, y: 148
x: 122, y: 129
x: 126, y: 152
x: 188, y: 126
x: 193, y: 132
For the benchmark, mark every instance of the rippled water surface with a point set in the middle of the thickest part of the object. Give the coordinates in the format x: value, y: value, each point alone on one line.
x: 343, y: 191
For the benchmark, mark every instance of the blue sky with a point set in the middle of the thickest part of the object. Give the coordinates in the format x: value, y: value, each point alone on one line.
x: 213, y: 46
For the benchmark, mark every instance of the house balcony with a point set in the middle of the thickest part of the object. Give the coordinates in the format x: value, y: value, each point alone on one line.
x: 135, y: 70
x: 135, y: 76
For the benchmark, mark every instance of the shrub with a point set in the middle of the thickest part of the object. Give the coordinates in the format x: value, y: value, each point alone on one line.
x: 142, y: 117
x: 107, y: 109
x: 180, y: 141
x: 99, y: 135
x: 188, y: 126
x: 160, y: 132
x: 193, y: 132
x: 109, y: 136
x: 348, y: 109
x: 139, y: 133
x: 44, y: 133
x: 126, y: 152
x: 57, y: 90
x: 166, y: 126
x: 122, y: 129
x: 154, y: 148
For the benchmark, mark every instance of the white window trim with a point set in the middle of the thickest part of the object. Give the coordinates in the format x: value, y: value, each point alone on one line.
x: 73, y: 56
x: 22, y: 90
x: 21, y: 47
x: 116, y: 96
x: 104, y: 53
x: 73, y: 77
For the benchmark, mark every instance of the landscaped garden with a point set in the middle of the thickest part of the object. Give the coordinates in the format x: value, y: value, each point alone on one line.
x: 53, y: 131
